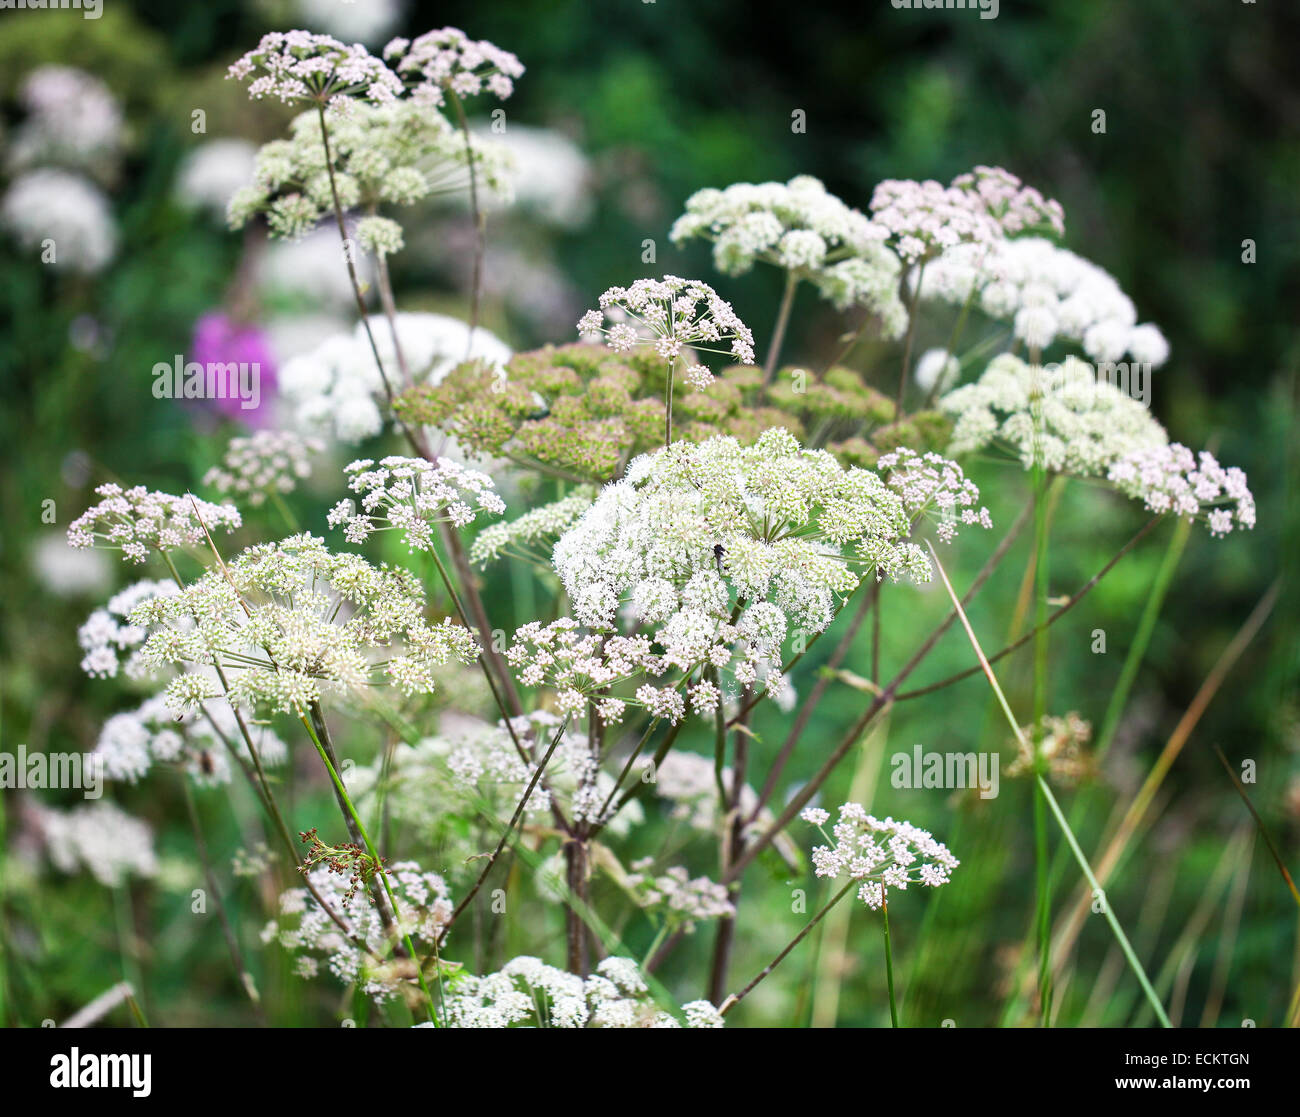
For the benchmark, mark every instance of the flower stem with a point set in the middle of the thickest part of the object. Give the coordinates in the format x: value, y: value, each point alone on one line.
x: 735, y: 999
x: 889, y: 960
x: 351, y: 811
x: 778, y: 331
x: 1046, y: 791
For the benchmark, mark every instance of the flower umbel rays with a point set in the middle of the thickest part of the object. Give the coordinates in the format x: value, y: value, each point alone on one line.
x: 263, y: 464
x: 302, y: 66
x: 288, y: 620
x: 136, y: 521
x: 672, y: 314
x: 882, y: 854
x: 411, y: 495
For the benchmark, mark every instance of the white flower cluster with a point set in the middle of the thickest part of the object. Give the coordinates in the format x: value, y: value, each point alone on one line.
x: 1174, y: 479
x: 932, y: 481
x: 107, y: 632
x: 301, y: 66
x: 923, y: 219
x: 265, y: 462
x: 674, y: 314
x: 801, y: 227
x: 72, y: 120
x: 287, y: 619
x: 136, y: 520
x: 1048, y: 293
x: 62, y: 214
x: 336, y: 389
x: 582, y: 665
x: 423, y: 909
x: 100, y: 837
x: 1061, y: 416
x: 684, y: 901
x: 722, y: 551
x: 527, y: 536
x: 387, y: 155
x: 411, y: 495
x: 882, y: 854
x: 528, y: 992
x: 449, y: 60
x: 198, y: 741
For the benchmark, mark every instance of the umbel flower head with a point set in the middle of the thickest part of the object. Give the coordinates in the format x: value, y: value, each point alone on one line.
x: 448, y: 60
x: 303, y: 66
x: 411, y: 495
x: 720, y: 550
x: 673, y: 315
x: 582, y: 411
x: 263, y: 464
x: 529, y: 993
x: 1048, y: 294
x: 882, y: 854
x: 924, y: 219
x: 99, y: 837
x: 285, y: 621
x: 136, y: 521
x: 304, y: 928
x: 107, y: 633
x: 383, y: 156
x: 1196, y: 487
x: 801, y: 227
x: 199, y: 742
x: 1060, y: 416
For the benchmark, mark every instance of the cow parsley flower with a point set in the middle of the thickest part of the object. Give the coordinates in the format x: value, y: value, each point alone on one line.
x: 449, y: 60
x: 138, y: 520
x: 197, y: 741
x: 801, y: 227
x: 287, y: 620
x: 99, y: 837
x: 581, y: 665
x: 1193, y: 486
x: 423, y: 909
x: 72, y: 120
x: 1048, y: 293
x: 723, y: 551
x: 64, y: 215
x: 1061, y: 416
x: 1015, y: 206
x: 302, y: 66
x: 927, y: 481
x: 388, y: 155
x: 673, y: 315
x: 924, y: 219
x: 107, y: 633
x: 529, y: 993
x: 681, y: 900
x: 882, y: 854
x: 262, y: 464
x: 411, y: 495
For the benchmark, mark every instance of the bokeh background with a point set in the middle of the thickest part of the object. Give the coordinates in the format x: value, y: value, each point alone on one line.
x: 655, y: 100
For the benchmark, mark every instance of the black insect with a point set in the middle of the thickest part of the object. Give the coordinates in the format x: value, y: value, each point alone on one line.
x: 718, y: 552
